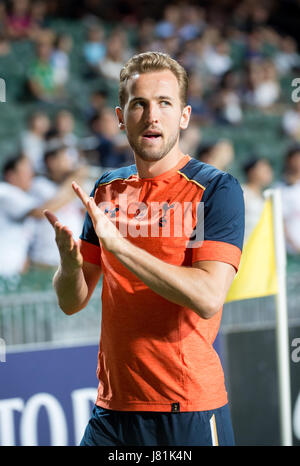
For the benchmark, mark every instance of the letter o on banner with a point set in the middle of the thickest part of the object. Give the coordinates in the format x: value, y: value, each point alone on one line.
x: 57, y: 421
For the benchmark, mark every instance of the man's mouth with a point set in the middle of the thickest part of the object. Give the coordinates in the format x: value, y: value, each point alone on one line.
x: 151, y: 135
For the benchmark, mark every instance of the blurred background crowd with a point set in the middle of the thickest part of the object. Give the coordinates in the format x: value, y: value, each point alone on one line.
x: 61, y: 60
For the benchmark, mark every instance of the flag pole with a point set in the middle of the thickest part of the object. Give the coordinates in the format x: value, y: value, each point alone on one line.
x: 282, y: 331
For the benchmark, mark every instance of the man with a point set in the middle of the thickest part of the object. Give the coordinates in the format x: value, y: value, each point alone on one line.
x: 219, y: 154
x: 290, y: 188
x: 33, y: 141
x: 16, y: 205
x: 18, y: 209
x: 59, y: 168
x: 259, y: 175
x: 160, y: 380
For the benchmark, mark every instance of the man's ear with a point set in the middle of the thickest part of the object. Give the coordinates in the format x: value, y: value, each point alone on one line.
x: 119, y: 113
x: 185, y: 117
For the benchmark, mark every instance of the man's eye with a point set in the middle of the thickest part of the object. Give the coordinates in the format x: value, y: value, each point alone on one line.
x: 138, y: 104
x: 165, y: 102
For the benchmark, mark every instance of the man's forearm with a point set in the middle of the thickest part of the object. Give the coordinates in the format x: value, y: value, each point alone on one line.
x: 71, y: 290
x: 186, y: 286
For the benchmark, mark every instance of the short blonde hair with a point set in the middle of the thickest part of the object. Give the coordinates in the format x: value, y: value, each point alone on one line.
x: 147, y: 62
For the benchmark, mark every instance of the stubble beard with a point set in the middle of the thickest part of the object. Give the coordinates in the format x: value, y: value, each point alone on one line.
x: 149, y: 154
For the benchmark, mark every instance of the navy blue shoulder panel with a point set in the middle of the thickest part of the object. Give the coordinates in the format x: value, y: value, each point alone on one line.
x: 120, y: 173
x: 224, y: 211
x: 223, y: 202
x: 200, y: 172
x: 88, y: 233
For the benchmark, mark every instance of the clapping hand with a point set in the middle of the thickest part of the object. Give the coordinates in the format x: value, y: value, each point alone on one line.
x: 106, y: 231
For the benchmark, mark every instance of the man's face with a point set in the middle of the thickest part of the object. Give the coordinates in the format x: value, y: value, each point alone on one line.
x: 22, y: 175
x: 41, y: 124
x: 262, y: 173
x: 60, y: 165
x: 153, y: 114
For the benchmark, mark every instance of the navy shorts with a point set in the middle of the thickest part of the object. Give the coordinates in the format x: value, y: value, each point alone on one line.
x: 147, y: 428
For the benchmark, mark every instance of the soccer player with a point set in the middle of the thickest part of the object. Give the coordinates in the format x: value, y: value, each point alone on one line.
x: 160, y: 380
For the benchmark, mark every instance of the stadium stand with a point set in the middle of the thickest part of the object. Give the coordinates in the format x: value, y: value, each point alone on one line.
x: 193, y: 34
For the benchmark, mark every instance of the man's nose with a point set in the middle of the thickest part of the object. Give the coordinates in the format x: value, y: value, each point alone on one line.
x: 151, y: 114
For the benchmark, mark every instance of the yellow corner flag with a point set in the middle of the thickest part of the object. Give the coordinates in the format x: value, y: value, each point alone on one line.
x: 256, y: 276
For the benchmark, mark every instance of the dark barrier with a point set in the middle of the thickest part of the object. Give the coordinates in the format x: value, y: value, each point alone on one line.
x: 47, y: 395
x: 251, y: 376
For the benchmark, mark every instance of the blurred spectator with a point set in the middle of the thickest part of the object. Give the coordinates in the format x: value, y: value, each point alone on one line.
x: 259, y: 175
x: 59, y: 176
x: 15, y: 206
x: 258, y: 15
x: 190, y: 138
x: 60, y: 59
x: 169, y: 45
x: 39, y: 14
x: 94, y: 49
x: 146, y: 34
x: 287, y: 58
x: 112, y: 146
x: 19, y: 22
x: 204, y: 153
x: 240, y: 16
x: 3, y: 18
x: 227, y: 103
x: 192, y: 22
x: 223, y: 154
x: 200, y: 109
x: 291, y: 199
x: 117, y: 52
x: 219, y: 154
x: 217, y: 58
x: 291, y: 122
x: 168, y: 26
x: 5, y: 47
x: 41, y: 76
x: 33, y: 142
x: 18, y: 209
x: 264, y: 88
x: 63, y: 134
x: 192, y: 58
x: 254, y: 46
x: 98, y: 101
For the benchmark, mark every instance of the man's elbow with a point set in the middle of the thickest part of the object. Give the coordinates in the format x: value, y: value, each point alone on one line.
x: 206, y: 310
x: 69, y: 310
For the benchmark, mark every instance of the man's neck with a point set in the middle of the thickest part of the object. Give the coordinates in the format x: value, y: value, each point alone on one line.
x: 151, y: 169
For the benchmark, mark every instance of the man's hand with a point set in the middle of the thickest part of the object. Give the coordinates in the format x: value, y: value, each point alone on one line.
x: 75, y: 280
x: 71, y: 258
x: 106, y: 231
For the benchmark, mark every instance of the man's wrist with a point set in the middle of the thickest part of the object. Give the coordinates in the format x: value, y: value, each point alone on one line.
x: 66, y: 270
x: 118, y: 246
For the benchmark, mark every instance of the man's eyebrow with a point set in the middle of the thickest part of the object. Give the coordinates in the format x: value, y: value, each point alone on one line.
x: 134, y: 99
x: 160, y: 97
x: 164, y: 97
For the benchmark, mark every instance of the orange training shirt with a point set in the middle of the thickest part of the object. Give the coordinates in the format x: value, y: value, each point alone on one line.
x: 155, y: 355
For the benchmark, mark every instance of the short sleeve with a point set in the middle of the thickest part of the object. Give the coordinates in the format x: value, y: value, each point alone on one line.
x: 88, y: 240
x: 224, y: 221
x: 16, y: 202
